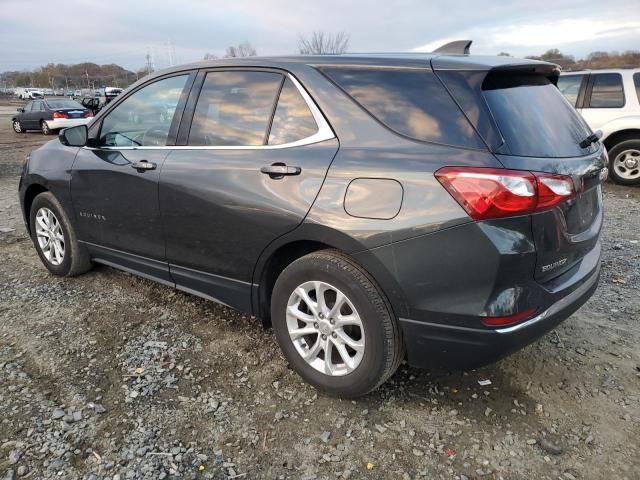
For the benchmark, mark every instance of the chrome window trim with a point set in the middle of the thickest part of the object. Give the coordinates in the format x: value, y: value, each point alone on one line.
x: 324, y: 133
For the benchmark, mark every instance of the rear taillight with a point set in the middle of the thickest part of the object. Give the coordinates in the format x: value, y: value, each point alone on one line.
x: 493, y: 193
x: 508, y: 319
x: 60, y: 115
x: 88, y: 114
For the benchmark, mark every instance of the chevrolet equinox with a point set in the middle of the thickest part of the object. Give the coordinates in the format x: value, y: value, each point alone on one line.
x: 444, y: 208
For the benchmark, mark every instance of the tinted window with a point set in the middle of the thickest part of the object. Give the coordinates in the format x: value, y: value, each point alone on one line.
x: 145, y: 117
x: 411, y: 102
x: 569, y: 86
x: 607, y: 91
x: 36, y: 107
x: 234, y: 108
x: 27, y: 107
x: 55, y: 104
x: 293, y: 119
x: 636, y: 82
x: 533, y: 116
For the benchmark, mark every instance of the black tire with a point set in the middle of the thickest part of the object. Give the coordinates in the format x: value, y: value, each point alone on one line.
x: 384, y: 348
x: 44, y: 127
x: 17, y: 126
x: 76, y: 258
x: 615, y: 152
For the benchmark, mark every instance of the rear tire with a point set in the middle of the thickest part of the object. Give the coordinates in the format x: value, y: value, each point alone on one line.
x: 624, y: 162
x: 361, y: 333
x: 44, y: 126
x: 48, y: 222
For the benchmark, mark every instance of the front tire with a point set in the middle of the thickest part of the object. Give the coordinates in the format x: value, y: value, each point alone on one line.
x: 624, y: 166
x: 55, y: 239
x: 334, y: 325
x: 17, y: 126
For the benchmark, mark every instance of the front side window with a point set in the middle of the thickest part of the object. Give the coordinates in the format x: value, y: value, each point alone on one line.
x: 636, y: 83
x: 569, y: 86
x: 144, y: 118
x: 607, y: 91
x: 28, y: 106
x: 36, y: 106
x: 413, y: 103
x: 293, y: 120
x: 234, y: 108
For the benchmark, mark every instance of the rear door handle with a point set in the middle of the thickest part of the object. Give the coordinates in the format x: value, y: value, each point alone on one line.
x: 279, y: 170
x: 143, y: 165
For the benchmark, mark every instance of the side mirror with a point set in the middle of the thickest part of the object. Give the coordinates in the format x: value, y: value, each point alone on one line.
x: 21, y: 110
x: 74, y: 136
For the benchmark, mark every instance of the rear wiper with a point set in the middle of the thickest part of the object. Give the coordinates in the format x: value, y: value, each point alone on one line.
x: 593, y: 138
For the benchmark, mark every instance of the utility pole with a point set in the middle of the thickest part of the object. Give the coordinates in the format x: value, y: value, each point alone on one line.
x: 87, y: 74
x: 170, y: 53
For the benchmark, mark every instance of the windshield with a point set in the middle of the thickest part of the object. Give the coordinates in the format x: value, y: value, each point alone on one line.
x: 57, y: 104
x: 534, y: 117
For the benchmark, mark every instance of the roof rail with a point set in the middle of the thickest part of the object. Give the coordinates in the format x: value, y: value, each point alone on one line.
x: 457, y: 47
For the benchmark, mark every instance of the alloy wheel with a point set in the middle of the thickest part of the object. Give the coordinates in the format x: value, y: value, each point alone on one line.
x: 325, y: 328
x: 17, y: 127
x: 627, y: 164
x: 45, y: 128
x: 50, y: 236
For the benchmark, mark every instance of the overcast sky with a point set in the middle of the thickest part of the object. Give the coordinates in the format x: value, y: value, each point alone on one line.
x: 35, y: 32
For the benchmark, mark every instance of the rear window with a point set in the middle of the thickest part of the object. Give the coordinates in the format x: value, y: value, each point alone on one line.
x: 533, y: 116
x: 56, y: 104
x: 412, y: 103
x: 569, y: 85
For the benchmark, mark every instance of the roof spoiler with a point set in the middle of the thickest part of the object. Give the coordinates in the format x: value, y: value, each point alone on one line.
x: 457, y: 47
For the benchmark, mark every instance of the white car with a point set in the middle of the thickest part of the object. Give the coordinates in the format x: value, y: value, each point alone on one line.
x: 609, y: 100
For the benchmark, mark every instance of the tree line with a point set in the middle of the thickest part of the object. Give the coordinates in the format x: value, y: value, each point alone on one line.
x: 91, y: 75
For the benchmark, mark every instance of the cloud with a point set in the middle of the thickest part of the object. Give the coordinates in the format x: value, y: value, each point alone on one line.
x: 123, y: 31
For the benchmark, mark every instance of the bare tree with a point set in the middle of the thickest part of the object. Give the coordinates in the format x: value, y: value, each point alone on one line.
x: 322, y: 43
x: 210, y: 56
x: 243, y: 50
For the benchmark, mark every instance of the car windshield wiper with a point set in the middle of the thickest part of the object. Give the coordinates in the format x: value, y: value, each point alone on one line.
x: 593, y: 138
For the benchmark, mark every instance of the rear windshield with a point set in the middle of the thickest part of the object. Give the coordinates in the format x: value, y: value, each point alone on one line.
x: 412, y: 103
x: 55, y: 104
x: 534, y: 117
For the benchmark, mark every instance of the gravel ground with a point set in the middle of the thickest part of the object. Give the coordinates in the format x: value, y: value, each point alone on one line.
x: 109, y: 376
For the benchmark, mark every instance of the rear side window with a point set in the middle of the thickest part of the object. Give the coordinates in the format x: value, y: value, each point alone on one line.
x: 607, y: 91
x: 234, y: 108
x: 293, y: 120
x: 636, y: 82
x: 569, y: 86
x: 412, y: 103
x: 533, y: 117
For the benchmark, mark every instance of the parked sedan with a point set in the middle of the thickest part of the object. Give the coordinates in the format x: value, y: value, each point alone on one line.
x: 50, y: 115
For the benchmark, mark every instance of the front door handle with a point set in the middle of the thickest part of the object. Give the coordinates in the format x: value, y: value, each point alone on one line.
x: 143, y: 165
x: 279, y: 170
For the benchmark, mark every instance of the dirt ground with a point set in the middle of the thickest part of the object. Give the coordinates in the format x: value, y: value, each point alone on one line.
x: 109, y: 376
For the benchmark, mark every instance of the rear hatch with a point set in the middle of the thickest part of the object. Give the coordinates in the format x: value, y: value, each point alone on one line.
x: 529, y: 125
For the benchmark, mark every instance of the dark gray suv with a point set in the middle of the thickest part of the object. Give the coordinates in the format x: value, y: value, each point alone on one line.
x: 443, y: 208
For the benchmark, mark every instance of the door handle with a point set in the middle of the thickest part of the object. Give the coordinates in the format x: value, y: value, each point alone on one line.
x: 143, y: 165
x: 279, y: 170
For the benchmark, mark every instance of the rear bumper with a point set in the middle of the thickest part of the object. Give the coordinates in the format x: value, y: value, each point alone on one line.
x: 67, y: 122
x: 436, y: 344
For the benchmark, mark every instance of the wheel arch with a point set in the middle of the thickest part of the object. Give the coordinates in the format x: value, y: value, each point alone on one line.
x: 620, y: 136
x: 310, y: 238
x: 30, y: 194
